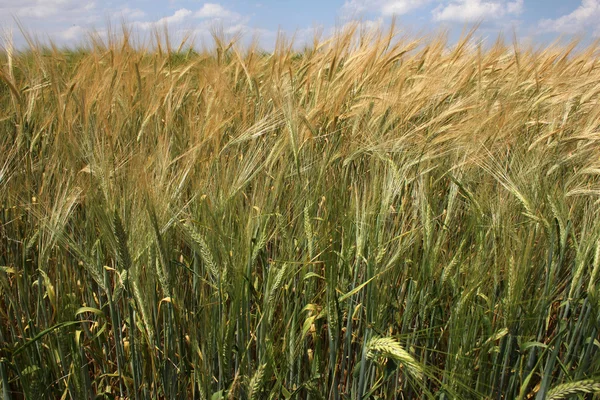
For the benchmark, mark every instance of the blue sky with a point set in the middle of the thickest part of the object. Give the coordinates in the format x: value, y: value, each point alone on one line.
x: 67, y: 21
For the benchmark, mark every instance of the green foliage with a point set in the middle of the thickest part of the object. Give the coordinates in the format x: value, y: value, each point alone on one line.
x: 373, y: 217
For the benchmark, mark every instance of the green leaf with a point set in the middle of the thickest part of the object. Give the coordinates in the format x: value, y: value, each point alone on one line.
x: 356, y: 289
x: 217, y: 395
x: 528, y: 345
x: 312, y: 275
x: 93, y: 310
x: 307, y: 324
x: 44, y: 333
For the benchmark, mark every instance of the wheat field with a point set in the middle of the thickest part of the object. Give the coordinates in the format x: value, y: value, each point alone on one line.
x: 374, y: 216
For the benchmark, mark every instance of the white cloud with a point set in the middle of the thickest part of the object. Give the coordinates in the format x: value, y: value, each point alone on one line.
x: 361, y: 25
x: 515, y: 7
x: 236, y: 29
x: 371, y: 24
x: 352, y: 8
x: 129, y: 13
x: 584, y: 16
x: 213, y: 15
x: 208, y: 14
x: 215, y: 10
x: 400, y: 7
x: 178, y: 17
x: 44, y: 9
x: 476, y: 10
x: 72, y: 33
x: 69, y: 20
x: 37, y: 11
x: 447, y: 10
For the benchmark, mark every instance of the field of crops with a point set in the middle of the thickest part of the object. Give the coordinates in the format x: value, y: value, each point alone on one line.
x: 376, y: 216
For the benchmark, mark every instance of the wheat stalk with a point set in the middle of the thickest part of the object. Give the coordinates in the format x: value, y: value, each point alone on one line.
x: 388, y: 347
x: 566, y: 390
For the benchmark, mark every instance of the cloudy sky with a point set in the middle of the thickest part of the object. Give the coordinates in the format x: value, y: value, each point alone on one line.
x: 67, y: 21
